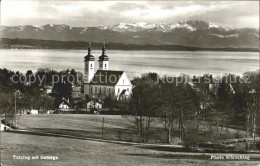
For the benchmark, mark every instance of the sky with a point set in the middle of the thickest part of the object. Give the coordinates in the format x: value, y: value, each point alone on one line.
x: 233, y: 14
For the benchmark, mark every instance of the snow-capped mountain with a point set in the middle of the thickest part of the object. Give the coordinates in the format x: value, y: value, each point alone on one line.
x: 165, y: 27
x: 188, y: 33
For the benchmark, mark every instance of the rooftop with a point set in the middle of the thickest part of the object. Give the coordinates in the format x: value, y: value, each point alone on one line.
x: 106, y: 77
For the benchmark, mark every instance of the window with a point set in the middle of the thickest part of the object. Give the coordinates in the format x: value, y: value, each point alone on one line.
x: 91, y: 90
x: 100, y: 90
x: 108, y: 90
x: 91, y: 65
x: 105, y: 65
x: 127, y: 89
x: 118, y: 90
x: 95, y: 90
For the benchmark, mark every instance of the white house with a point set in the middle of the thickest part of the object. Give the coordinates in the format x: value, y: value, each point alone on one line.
x: 2, y: 127
x: 104, y: 82
x: 94, y: 104
x: 48, y: 89
x: 76, y: 91
x: 34, y: 112
x: 64, y: 105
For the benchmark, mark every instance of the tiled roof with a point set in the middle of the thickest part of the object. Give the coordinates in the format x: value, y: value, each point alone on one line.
x: 106, y: 77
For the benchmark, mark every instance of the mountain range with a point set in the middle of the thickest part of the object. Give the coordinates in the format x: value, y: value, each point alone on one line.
x: 191, y: 33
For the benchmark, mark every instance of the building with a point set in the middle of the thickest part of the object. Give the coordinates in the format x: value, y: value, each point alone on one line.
x: 104, y: 82
x: 48, y: 89
x: 64, y: 104
x: 94, y: 104
x: 76, y: 91
x: 34, y: 112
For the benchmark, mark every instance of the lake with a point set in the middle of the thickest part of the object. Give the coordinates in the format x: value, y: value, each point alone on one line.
x: 134, y: 62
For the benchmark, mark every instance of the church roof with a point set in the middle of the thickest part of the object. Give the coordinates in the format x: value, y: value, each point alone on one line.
x: 106, y: 77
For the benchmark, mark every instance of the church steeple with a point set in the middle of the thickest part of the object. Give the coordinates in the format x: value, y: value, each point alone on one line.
x: 89, y: 66
x: 104, y: 49
x: 103, y: 59
x: 89, y: 57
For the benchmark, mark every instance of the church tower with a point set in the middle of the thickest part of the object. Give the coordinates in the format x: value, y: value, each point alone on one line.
x: 103, y: 60
x: 89, y: 69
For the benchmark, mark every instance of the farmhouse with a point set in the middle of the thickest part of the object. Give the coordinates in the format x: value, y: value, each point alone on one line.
x: 76, y: 91
x: 48, y: 89
x: 94, y: 104
x: 64, y: 104
x: 34, y: 112
x: 104, y: 82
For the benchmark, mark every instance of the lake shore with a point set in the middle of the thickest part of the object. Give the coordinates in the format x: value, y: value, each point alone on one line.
x: 7, y: 43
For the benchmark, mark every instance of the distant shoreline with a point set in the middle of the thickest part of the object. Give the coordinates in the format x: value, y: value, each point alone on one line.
x: 18, y: 43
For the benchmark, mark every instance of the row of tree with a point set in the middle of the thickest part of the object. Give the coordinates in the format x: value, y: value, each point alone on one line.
x: 220, y: 106
x: 30, y: 91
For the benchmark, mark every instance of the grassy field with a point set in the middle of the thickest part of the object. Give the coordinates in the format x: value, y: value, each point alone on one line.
x: 71, y: 151
x: 84, y: 125
x: 116, y: 127
x: 76, y: 152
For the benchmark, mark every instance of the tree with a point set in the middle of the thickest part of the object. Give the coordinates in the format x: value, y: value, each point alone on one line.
x: 224, y: 104
x: 143, y: 97
x: 87, y: 98
x: 175, y: 104
x: 61, y: 90
x: 7, y: 107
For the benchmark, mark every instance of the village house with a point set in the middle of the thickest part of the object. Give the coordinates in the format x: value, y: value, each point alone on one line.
x: 64, y: 104
x: 34, y: 112
x: 94, y: 104
x: 48, y: 89
x: 76, y: 91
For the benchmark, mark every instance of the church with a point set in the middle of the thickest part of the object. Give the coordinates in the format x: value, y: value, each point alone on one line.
x: 104, y: 82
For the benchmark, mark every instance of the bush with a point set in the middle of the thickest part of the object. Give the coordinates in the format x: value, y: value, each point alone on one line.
x: 257, y: 145
x: 191, y: 140
x: 194, y: 138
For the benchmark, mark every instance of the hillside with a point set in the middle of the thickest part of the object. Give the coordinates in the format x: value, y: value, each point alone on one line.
x: 52, y: 44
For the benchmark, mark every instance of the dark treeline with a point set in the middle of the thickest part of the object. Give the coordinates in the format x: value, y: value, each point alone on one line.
x: 202, y: 111
x: 30, y: 89
x: 52, y: 44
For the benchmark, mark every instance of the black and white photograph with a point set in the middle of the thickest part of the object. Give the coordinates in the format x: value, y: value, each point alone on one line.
x: 129, y: 83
